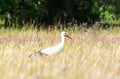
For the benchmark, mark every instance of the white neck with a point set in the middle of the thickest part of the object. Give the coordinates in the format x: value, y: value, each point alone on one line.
x: 62, y: 39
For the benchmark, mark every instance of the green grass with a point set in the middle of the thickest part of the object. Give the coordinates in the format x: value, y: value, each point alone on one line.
x: 94, y: 54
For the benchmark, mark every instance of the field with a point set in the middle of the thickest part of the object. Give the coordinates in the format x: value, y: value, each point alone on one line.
x: 94, y: 54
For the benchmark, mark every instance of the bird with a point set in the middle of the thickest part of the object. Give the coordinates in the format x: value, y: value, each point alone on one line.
x: 54, y: 49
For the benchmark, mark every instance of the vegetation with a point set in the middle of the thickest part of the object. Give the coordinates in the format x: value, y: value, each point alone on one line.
x: 60, y: 11
x: 93, y: 54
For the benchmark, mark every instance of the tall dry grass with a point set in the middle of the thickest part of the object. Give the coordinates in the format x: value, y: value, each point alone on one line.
x: 94, y: 54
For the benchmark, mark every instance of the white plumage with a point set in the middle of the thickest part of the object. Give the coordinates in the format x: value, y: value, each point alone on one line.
x: 57, y: 48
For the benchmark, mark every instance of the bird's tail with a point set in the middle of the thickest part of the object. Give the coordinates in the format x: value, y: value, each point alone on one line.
x: 35, y: 54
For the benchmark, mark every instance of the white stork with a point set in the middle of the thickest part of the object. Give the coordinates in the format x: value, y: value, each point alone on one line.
x: 54, y: 49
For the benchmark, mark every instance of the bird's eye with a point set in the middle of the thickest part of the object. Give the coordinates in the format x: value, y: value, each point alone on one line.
x: 64, y: 33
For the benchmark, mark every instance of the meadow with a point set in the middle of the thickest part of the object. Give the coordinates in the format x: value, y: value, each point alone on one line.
x: 94, y: 54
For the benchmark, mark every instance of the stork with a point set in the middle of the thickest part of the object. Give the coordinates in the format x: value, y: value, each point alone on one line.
x: 54, y: 49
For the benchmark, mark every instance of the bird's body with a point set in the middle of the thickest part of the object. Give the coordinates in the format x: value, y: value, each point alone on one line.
x: 57, y: 48
x: 53, y: 50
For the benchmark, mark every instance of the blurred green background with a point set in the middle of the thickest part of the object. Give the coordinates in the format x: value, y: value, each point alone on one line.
x: 59, y: 11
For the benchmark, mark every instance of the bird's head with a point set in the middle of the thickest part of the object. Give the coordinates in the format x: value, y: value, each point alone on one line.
x: 66, y: 35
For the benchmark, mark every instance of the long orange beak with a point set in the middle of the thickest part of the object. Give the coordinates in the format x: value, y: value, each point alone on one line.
x: 69, y: 36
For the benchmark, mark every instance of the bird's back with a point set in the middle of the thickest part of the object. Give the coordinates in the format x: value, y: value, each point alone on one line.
x: 53, y: 50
